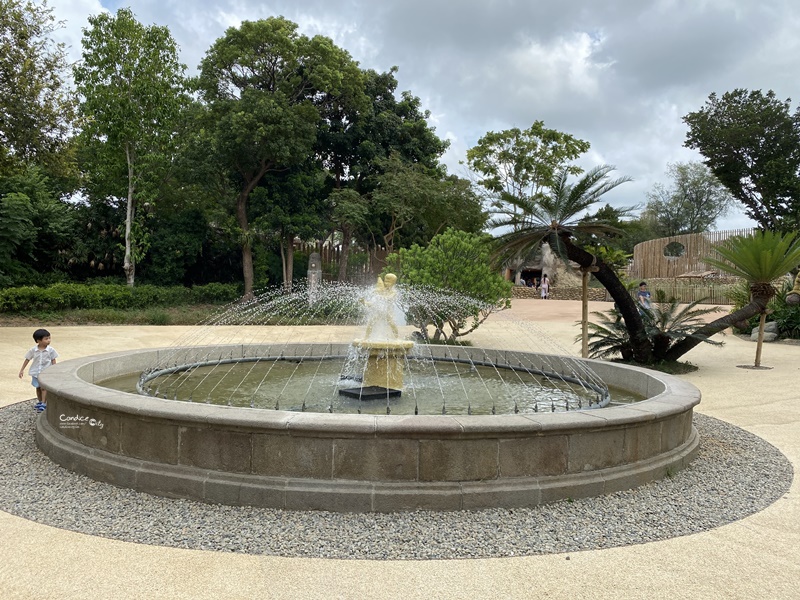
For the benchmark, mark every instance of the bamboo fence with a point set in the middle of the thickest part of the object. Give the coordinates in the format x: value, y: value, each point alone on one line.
x: 650, y: 261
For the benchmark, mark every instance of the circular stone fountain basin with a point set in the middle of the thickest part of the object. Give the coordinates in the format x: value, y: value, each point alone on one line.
x: 361, y: 462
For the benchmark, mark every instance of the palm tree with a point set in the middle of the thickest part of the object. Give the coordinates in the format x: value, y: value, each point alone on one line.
x: 760, y: 260
x: 555, y: 218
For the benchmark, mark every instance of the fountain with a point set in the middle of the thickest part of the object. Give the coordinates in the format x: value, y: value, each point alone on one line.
x: 283, y: 420
x: 383, y: 375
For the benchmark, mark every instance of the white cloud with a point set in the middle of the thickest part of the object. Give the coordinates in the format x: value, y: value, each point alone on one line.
x: 619, y: 74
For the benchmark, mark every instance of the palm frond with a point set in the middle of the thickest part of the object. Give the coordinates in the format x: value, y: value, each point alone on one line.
x: 761, y: 258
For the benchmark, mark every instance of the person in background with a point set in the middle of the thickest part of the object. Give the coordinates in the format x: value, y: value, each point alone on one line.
x: 545, y: 286
x: 643, y: 297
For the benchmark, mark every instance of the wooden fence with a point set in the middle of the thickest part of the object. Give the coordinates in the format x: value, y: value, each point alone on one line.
x: 363, y: 266
x: 711, y: 291
x: 678, y: 255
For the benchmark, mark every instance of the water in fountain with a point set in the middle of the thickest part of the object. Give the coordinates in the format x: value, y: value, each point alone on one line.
x: 254, y: 354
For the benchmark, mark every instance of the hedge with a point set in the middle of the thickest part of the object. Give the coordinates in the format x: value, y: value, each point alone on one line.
x: 65, y: 296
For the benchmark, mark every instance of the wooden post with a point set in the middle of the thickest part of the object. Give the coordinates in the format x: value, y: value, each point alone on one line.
x: 585, y: 272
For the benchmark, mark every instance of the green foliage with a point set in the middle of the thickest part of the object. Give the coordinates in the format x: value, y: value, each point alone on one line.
x: 36, y: 227
x: 751, y: 142
x: 615, y: 258
x: 455, y: 261
x: 516, y: 165
x: 265, y: 88
x: 132, y: 86
x: 35, y: 105
x: 759, y: 259
x: 176, y: 247
x: 692, y: 203
x: 666, y: 323
x: 533, y: 220
x: 66, y: 296
x: 16, y: 232
x: 787, y: 316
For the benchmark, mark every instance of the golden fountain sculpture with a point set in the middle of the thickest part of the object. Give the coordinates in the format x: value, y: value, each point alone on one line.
x: 381, y: 340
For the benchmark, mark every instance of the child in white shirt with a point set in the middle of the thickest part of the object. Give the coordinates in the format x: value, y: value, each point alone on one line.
x: 40, y: 356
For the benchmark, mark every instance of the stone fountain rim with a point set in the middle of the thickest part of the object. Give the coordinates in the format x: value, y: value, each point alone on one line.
x: 69, y: 379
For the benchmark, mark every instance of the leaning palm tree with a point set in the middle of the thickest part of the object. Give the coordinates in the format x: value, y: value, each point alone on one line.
x: 554, y: 218
x: 760, y: 260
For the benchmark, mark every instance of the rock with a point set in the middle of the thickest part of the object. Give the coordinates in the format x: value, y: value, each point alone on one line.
x: 771, y: 327
x: 768, y: 336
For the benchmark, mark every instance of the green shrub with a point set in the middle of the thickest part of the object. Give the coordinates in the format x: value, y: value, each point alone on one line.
x: 158, y: 317
x: 66, y: 296
x: 216, y: 293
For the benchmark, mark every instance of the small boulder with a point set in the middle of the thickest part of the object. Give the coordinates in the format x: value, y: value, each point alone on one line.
x: 769, y: 336
x: 771, y: 327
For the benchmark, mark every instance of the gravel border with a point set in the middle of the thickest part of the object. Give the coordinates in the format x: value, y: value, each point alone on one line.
x: 734, y: 475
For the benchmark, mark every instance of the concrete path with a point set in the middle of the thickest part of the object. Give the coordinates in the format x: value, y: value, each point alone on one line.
x: 757, y: 557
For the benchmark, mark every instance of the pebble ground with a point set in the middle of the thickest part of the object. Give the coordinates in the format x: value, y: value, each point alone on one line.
x: 734, y: 475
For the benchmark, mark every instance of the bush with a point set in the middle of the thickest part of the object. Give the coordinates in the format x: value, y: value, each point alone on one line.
x: 66, y: 296
x: 216, y: 293
x: 786, y: 316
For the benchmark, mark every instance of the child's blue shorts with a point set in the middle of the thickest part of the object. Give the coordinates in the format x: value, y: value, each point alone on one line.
x: 34, y: 381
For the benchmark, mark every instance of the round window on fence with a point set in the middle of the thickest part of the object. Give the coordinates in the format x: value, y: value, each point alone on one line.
x: 674, y: 250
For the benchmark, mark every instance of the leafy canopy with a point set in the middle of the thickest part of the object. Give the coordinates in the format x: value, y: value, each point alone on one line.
x: 751, y: 142
x: 458, y: 262
x: 35, y: 106
x: 515, y: 164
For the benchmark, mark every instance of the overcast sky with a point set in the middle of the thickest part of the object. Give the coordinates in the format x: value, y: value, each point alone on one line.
x: 619, y: 74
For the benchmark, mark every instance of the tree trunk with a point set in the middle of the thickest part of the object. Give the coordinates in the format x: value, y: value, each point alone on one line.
x: 640, y: 343
x: 756, y: 306
x: 247, y: 252
x: 129, y: 263
x: 761, y: 322
x: 347, y: 236
x: 287, y: 258
x: 585, y: 313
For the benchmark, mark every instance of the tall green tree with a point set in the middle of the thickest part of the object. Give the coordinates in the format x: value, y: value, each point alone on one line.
x: 691, y: 203
x: 357, y: 143
x: 35, y: 104
x: 751, y: 142
x: 132, y: 88
x: 264, y: 85
x: 515, y: 164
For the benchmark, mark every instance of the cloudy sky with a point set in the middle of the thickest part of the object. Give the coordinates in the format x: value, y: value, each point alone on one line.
x: 619, y: 74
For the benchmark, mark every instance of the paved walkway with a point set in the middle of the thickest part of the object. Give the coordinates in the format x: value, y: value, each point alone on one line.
x: 757, y: 557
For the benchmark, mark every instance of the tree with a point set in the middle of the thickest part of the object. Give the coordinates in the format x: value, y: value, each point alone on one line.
x: 458, y: 262
x: 264, y: 86
x: 37, y: 233
x: 35, y: 105
x: 760, y: 260
x: 417, y: 203
x: 692, y: 203
x: 751, y: 142
x: 361, y: 145
x: 515, y: 164
x: 554, y: 219
x: 131, y: 82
